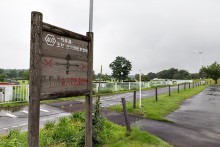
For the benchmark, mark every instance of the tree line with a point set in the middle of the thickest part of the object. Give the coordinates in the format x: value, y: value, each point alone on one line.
x: 13, y: 74
x: 172, y: 73
x: 121, y: 68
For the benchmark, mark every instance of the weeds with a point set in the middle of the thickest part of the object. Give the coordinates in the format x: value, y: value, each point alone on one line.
x: 68, y: 132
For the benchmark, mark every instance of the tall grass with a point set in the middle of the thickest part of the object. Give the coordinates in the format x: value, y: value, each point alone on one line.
x: 68, y: 132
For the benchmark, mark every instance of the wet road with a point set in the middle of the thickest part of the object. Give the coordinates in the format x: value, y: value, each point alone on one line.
x: 19, y: 119
x: 201, y: 111
x: 196, y: 122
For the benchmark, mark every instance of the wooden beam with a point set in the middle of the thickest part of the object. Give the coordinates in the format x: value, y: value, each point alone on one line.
x: 34, y: 90
x: 63, y: 32
x: 89, y: 104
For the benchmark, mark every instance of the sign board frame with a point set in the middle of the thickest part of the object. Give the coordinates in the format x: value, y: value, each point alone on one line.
x: 39, y: 58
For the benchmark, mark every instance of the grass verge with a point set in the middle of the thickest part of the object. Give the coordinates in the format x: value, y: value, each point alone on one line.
x: 166, y: 104
x: 69, y: 132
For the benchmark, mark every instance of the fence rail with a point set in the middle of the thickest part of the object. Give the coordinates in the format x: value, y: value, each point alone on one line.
x: 20, y: 93
x: 14, y: 93
x: 134, y: 85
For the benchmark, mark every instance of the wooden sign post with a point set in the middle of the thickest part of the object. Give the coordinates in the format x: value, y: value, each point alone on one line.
x: 61, y: 65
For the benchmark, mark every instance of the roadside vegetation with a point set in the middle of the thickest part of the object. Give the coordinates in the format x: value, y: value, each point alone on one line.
x: 212, y: 71
x: 69, y: 132
x: 165, y: 105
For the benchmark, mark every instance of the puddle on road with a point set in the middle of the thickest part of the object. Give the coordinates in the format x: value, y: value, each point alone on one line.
x: 214, y: 91
x: 213, y: 94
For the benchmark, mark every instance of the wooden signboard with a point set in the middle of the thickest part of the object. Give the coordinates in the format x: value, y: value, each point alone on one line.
x: 61, y: 65
x: 64, y: 66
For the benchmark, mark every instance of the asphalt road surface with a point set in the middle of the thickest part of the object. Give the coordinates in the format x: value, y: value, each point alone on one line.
x: 201, y: 111
x: 19, y: 118
x: 196, y: 123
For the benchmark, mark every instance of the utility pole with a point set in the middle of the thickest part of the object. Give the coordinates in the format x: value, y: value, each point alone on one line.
x: 91, y: 16
x: 200, y: 58
x: 140, y: 89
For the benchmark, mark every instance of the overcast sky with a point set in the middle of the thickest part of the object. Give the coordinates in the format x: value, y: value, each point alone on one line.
x: 152, y: 34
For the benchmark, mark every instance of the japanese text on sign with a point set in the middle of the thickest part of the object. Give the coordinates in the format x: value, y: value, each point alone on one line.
x: 63, y: 42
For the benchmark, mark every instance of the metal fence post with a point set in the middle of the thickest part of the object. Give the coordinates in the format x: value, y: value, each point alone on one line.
x: 169, y: 90
x: 134, y: 103
x: 156, y: 93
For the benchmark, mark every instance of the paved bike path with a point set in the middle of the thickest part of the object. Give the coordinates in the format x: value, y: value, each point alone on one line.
x: 196, y: 122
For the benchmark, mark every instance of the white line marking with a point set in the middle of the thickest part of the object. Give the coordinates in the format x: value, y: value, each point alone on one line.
x: 5, y: 128
x: 11, y: 115
x: 14, y: 126
x: 23, y: 124
x: 24, y: 111
x: 110, y: 99
x: 44, y: 110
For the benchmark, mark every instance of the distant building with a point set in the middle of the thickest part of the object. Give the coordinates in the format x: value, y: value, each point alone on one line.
x: 6, y: 91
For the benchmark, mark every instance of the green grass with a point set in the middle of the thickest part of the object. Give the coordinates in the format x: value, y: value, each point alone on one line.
x: 23, y: 82
x: 116, y: 136
x: 69, y: 131
x: 166, y: 104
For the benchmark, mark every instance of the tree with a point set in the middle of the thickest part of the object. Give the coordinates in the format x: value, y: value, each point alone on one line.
x: 181, y: 74
x: 1, y: 71
x: 195, y: 76
x: 2, y: 77
x: 121, y: 67
x: 213, y: 71
x: 25, y: 74
x: 202, y: 74
x: 106, y: 77
x: 167, y: 74
x: 12, y: 73
x: 143, y: 77
x: 103, y: 77
x: 151, y: 75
